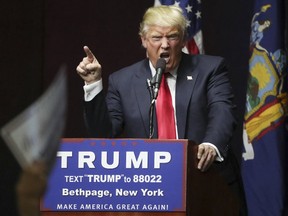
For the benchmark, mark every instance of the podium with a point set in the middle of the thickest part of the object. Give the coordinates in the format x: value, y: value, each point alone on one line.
x: 205, y: 193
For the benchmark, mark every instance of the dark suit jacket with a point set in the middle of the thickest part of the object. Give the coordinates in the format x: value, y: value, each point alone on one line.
x: 204, y: 108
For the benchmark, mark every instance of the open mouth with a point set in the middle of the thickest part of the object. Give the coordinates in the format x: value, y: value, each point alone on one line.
x: 165, y: 56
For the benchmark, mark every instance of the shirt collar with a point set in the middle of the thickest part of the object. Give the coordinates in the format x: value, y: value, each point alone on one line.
x: 153, y: 70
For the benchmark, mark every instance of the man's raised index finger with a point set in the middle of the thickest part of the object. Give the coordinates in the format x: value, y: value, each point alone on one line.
x: 89, y: 53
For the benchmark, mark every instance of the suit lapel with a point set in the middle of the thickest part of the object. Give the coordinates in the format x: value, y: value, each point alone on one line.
x: 142, y: 94
x: 186, y: 79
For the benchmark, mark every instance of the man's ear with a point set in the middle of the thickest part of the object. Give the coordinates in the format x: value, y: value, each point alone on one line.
x: 144, y: 42
x: 184, y: 43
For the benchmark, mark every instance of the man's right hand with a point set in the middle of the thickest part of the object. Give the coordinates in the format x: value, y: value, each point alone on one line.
x: 89, y: 68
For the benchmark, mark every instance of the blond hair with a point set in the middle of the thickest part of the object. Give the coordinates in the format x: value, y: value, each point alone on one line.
x: 164, y: 16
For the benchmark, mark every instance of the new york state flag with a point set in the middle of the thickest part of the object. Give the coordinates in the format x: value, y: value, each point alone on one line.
x: 264, y: 132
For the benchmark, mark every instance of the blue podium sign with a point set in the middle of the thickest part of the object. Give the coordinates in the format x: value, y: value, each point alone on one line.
x: 118, y: 175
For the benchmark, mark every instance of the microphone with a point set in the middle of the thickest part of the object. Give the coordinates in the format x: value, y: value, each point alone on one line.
x: 156, y: 80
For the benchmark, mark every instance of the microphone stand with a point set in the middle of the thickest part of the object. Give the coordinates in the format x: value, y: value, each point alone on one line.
x: 153, y: 86
x: 152, y: 108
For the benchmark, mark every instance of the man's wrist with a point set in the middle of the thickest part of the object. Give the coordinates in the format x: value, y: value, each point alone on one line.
x: 91, y: 90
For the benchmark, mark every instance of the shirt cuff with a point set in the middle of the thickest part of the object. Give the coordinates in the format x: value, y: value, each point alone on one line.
x: 91, y: 90
x: 219, y: 157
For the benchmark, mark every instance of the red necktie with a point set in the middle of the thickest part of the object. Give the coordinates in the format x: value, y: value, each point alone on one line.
x: 165, y: 112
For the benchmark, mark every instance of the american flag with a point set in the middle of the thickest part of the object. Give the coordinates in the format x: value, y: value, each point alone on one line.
x: 192, y: 11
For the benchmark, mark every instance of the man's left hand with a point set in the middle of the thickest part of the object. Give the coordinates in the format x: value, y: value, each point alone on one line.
x: 206, y: 155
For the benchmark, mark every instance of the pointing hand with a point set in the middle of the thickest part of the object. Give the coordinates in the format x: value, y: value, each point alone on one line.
x: 89, y: 68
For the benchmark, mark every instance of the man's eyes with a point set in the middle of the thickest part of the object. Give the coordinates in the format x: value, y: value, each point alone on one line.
x: 170, y: 37
x: 173, y: 37
x: 156, y: 38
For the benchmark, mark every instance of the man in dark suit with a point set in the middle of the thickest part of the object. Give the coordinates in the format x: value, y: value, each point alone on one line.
x: 199, y: 85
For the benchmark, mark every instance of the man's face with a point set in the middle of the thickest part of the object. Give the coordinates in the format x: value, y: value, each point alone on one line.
x: 164, y: 42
